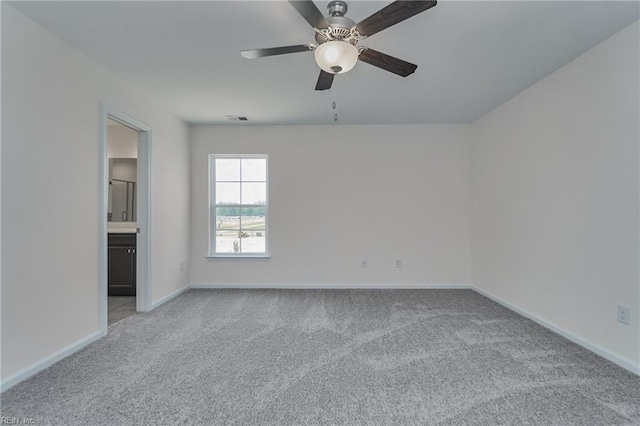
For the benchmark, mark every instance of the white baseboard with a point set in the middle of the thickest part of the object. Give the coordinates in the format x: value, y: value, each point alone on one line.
x: 37, y: 367
x: 597, y: 349
x: 316, y: 286
x: 169, y: 297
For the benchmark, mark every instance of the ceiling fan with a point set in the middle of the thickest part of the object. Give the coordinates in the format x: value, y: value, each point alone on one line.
x: 337, y: 37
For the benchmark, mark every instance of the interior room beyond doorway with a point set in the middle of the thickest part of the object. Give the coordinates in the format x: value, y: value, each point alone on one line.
x: 122, y: 152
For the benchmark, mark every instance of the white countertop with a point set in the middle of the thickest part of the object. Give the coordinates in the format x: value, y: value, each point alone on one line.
x: 122, y: 227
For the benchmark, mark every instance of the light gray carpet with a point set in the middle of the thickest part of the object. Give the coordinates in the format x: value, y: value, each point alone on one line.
x: 329, y: 357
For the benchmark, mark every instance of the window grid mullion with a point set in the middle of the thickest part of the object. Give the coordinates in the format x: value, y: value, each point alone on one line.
x: 240, y: 205
x: 240, y: 211
x: 238, y: 181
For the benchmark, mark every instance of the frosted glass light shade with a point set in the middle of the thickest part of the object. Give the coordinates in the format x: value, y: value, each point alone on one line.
x: 336, y: 57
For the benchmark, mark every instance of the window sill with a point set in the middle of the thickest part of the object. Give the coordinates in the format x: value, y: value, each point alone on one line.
x: 238, y: 256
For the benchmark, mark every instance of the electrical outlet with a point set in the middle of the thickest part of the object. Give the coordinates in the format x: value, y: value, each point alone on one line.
x: 181, y: 266
x: 398, y: 263
x: 364, y: 263
x: 624, y: 316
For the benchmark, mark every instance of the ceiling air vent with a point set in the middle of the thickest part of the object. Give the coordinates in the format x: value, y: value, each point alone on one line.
x: 236, y: 118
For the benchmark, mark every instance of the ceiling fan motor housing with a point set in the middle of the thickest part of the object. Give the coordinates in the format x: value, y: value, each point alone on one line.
x: 340, y: 28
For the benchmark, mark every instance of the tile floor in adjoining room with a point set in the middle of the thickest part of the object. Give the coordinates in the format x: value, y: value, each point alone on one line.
x: 120, y: 307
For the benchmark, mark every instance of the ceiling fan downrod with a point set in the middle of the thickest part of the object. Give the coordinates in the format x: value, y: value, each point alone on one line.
x: 337, y: 8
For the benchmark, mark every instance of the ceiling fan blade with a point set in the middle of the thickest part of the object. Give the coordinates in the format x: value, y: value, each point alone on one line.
x: 386, y: 62
x: 324, y: 80
x: 310, y: 13
x: 259, y: 53
x: 390, y: 15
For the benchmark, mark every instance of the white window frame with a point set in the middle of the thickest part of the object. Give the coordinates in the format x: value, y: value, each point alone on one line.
x: 212, y: 207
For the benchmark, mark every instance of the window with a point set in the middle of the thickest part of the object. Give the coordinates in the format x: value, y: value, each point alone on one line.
x: 238, y: 206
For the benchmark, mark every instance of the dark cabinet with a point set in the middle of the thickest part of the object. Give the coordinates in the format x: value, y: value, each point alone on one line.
x: 122, y: 264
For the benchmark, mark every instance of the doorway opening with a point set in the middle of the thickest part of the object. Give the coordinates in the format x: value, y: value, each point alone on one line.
x: 122, y: 226
x: 125, y: 217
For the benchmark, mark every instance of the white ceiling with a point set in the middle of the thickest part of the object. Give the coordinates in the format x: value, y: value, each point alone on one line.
x: 471, y: 56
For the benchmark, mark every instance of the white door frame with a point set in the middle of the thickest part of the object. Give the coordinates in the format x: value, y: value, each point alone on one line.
x: 143, y: 202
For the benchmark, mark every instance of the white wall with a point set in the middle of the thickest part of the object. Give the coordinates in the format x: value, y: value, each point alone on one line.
x: 122, y: 142
x: 555, y: 197
x: 339, y: 194
x: 51, y: 98
x: 124, y: 169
